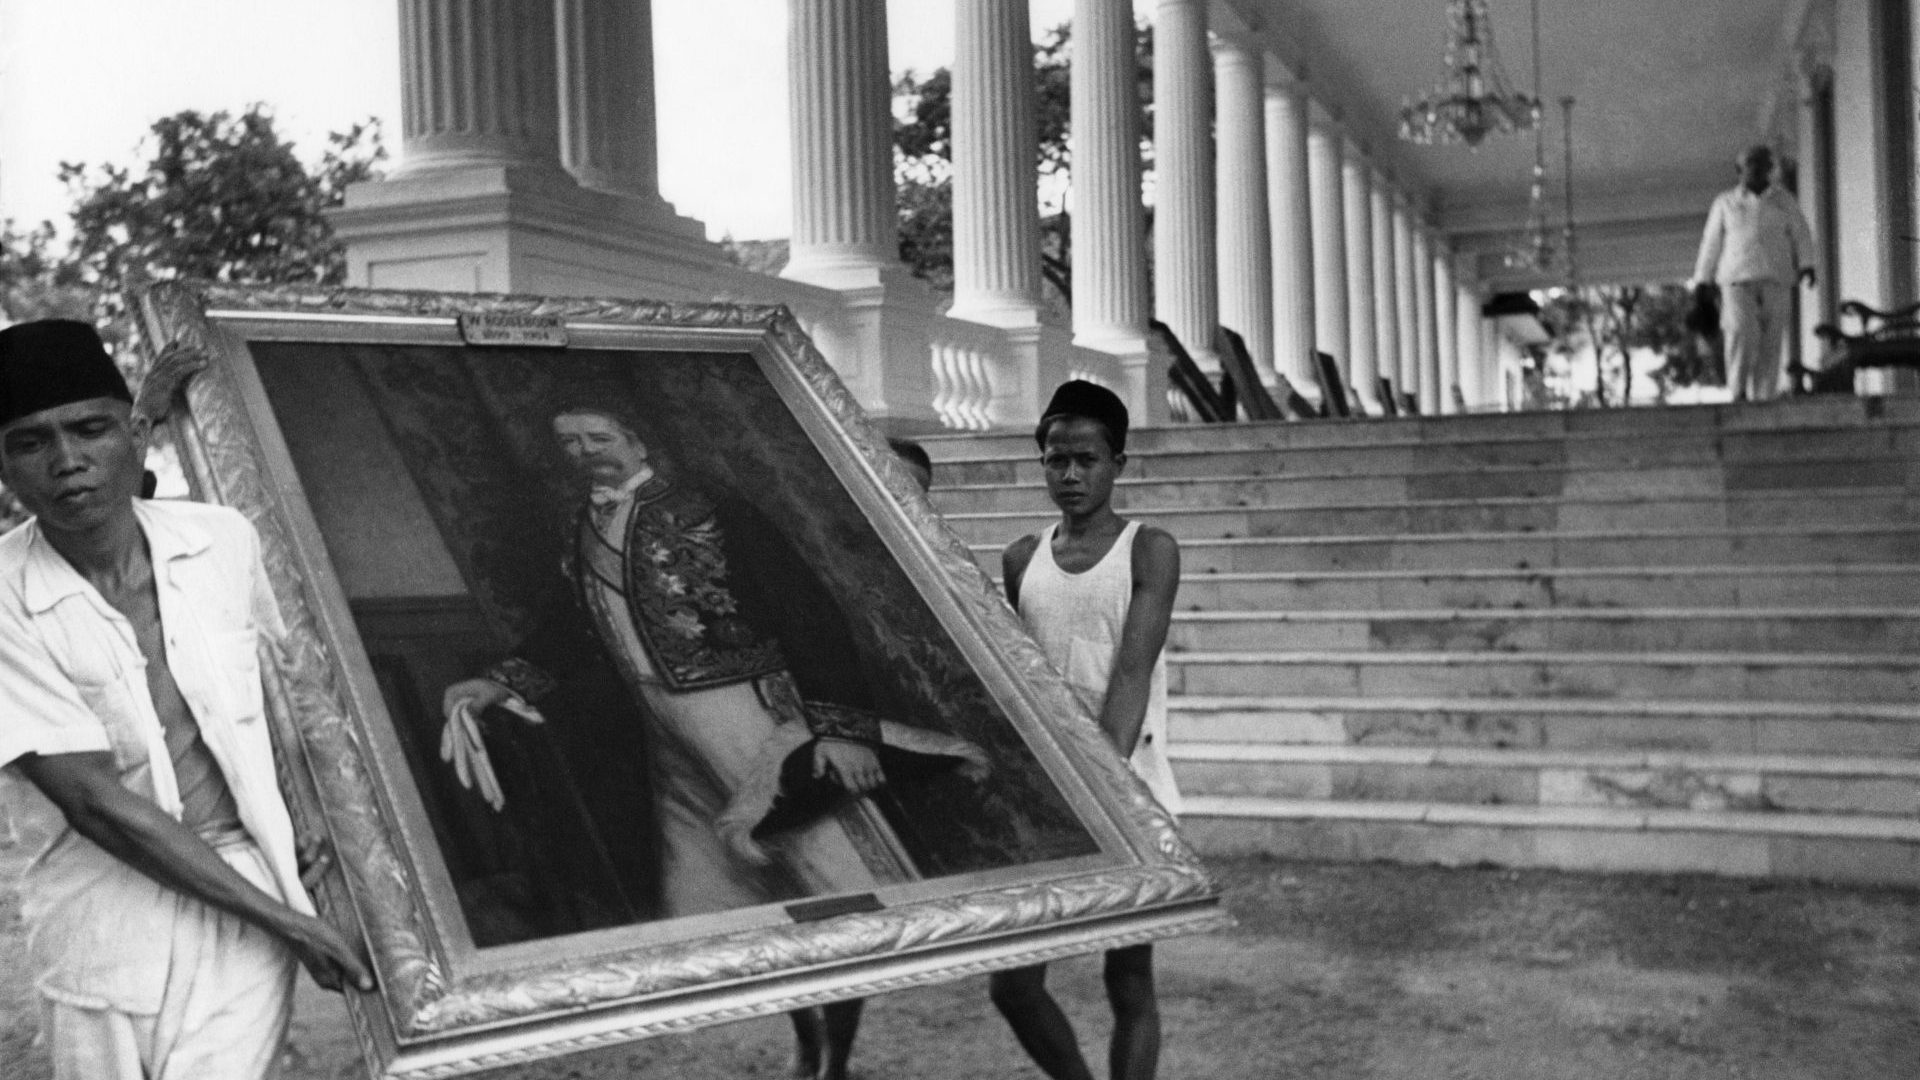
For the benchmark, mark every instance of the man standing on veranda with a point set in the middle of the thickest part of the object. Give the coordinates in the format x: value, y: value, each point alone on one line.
x: 1756, y: 245
x: 165, y: 918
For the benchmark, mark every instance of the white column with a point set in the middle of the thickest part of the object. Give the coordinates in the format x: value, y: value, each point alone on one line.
x: 1185, y: 290
x: 1406, y: 286
x: 1290, y: 206
x: 608, y: 135
x: 1446, y: 302
x: 1467, y: 319
x: 479, y: 86
x: 1386, y: 303
x: 1246, y: 245
x: 840, y: 93
x: 996, y: 218
x: 1428, y: 330
x: 1492, y: 379
x: 1109, y: 260
x: 1358, y: 184
x: 1328, y: 200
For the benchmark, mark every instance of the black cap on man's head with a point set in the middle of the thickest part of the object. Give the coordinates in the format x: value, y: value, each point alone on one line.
x: 1092, y: 401
x: 54, y: 362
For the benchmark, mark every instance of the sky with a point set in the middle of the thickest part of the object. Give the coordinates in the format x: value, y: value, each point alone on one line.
x: 81, y: 80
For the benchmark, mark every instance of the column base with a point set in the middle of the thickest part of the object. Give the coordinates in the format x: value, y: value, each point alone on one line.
x: 526, y: 230
x: 879, y: 341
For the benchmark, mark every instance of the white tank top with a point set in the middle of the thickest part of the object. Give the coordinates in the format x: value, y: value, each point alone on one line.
x: 1078, y: 620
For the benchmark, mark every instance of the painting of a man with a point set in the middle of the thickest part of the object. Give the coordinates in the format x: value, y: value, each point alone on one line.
x: 740, y: 665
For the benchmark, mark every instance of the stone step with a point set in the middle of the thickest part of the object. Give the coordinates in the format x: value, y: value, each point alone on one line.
x: 1758, y: 546
x: 1807, y: 418
x: 1760, y: 783
x: 1688, y: 676
x: 1827, y: 847
x: 1187, y: 515
x: 1864, y: 630
x: 1507, y: 723
x: 1570, y: 587
x: 1504, y: 467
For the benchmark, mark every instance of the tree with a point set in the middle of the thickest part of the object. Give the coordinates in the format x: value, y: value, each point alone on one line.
x: 1614, y: 321
x: 923, y: 160
x: 221, y: 198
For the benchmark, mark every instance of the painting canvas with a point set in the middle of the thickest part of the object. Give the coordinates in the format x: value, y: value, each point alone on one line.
x: 581, y: 595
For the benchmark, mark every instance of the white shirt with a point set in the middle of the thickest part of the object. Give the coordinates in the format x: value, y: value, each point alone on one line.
x: 73, y: 680
x: 1752, y: 237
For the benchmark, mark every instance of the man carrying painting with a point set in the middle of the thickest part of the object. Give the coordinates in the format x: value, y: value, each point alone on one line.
x: 166, y: 916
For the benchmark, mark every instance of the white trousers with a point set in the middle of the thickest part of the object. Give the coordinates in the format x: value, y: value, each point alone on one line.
x: 228, y: 998
x: 1753, y: 323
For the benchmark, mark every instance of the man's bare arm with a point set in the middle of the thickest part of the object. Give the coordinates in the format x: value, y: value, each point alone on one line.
x: 1156, y: 580
x: 134, y: 830
x: 1013, y: 566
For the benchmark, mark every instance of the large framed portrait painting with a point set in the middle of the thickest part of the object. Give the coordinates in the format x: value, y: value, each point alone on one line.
x: 634, y: 682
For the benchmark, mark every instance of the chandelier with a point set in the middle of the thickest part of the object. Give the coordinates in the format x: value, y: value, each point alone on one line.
x: 1475, y: 100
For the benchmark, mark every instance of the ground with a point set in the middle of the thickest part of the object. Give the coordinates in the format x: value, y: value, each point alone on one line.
x: 1367, y: 973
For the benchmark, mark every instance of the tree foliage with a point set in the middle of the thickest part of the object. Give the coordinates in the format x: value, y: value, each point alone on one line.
x: 1614, y: 321
x: 923, y: 159
x: 218, y: 196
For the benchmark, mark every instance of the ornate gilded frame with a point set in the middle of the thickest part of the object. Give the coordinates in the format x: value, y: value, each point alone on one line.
x: 443, y: 1010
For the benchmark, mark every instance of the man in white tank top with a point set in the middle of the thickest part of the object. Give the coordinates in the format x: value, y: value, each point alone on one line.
x: 1097, y: 592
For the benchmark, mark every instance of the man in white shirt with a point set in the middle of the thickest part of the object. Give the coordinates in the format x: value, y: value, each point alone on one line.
x: 165, y: 918
x: 1756, y: 244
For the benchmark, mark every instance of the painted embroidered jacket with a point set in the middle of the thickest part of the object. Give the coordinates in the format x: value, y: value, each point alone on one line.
x: 718, y: 597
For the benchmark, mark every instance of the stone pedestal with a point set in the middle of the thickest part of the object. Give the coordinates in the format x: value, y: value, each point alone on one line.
x: 481, y: 200
x: 1290, y: 207
x: 1246, y: 246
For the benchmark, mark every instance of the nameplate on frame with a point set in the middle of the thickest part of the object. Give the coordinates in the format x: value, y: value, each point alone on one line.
x: 504, y: 330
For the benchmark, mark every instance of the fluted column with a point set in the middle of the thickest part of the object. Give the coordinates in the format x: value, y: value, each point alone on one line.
x: 1186, y: 293
x: 1246, y: 246
x: 1386, y: 304
x: 840, y: 93
x: 1467, y: 330
x: 1290, y: 206
x: 1327, y: 192
x: 1446, y: 302
x: 1109, y: 260
x: 1358, y: 184
x: 608, y: 134
x: 479, y: 86
x: 996, y: 218
x: 1406, y: 293
x: 1428, y: 330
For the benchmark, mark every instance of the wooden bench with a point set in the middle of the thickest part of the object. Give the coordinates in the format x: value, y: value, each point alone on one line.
x: 1882, y: 339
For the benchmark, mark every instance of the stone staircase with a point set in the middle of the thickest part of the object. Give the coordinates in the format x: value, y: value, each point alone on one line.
x: 1663, y: 640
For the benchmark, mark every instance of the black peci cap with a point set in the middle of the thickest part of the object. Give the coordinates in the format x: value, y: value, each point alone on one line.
x: 54, y: 362
x: 1091, y: 400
